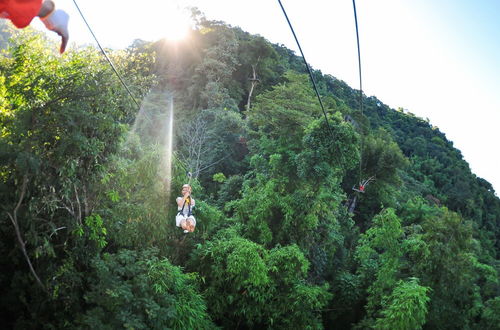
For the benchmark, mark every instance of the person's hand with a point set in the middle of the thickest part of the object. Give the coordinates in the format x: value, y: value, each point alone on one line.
x: 57, y: 21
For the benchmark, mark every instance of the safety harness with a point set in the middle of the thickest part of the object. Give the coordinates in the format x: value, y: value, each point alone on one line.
x: 190, y: 211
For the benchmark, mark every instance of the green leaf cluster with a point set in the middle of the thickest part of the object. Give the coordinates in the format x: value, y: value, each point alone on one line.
x: 88, y: 195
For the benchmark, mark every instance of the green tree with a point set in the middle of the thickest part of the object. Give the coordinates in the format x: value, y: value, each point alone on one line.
x: 407, y: 307
x: 247, y: 285
x: 391, y: 302
x: 138, y: 290
x: 62, y: 118
x: 212, y: 76
x: 449, y: 270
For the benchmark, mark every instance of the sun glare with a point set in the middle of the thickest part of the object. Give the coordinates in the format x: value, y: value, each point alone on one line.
x: 177, y: 24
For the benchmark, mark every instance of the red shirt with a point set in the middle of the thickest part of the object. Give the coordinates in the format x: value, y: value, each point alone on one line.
x: 20, y: 12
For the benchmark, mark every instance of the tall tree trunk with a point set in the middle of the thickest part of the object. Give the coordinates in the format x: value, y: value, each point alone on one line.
x: 15, y: 223
x: 254, y: 80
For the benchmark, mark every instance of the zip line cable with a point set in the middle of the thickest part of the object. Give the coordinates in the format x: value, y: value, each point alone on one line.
x: 298, y: 45
x: 308, y: 68
x: 314, y: 82
x: 106, y: 56
x: 116, y: 72
x: 360, y: 84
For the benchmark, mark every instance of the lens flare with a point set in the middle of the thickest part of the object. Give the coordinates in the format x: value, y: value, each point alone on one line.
x: 176, y: 29
x: 176, y: 23
x: 169, y: 145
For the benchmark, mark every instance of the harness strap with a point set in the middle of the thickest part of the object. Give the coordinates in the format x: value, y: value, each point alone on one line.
x: 189, y: 207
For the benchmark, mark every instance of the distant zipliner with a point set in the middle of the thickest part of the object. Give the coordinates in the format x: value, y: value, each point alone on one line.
x: 185, y: 208
x: 351, y: 203
x: 362, y: 185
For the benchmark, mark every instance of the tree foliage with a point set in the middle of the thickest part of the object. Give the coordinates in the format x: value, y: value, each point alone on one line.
x: 134, y: 290
x: 89, y: 183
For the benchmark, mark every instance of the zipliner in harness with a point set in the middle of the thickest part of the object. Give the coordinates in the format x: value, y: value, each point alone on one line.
x: 351, y: 203
x: 362, y: 185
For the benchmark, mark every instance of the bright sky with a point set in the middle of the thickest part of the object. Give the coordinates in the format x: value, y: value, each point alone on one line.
x: 438, y: 59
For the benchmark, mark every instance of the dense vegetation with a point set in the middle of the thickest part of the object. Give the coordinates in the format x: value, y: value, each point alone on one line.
x: 88, y: 237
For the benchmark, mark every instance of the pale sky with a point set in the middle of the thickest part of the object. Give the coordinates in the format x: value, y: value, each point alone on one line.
x: 438, y: 59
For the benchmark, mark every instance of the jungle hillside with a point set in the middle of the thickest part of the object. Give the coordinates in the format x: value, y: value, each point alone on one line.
x: 89, y: 181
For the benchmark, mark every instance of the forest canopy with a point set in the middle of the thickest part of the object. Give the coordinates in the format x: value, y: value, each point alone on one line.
x: 88, y: 235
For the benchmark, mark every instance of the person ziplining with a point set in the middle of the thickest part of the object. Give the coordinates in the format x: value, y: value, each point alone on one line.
x: 22, y: 12
x: 363, y: 184
x: 361, y: 188
x: 185, y: 205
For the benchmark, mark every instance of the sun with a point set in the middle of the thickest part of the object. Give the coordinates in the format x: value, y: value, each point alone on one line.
x: 176, y: 25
